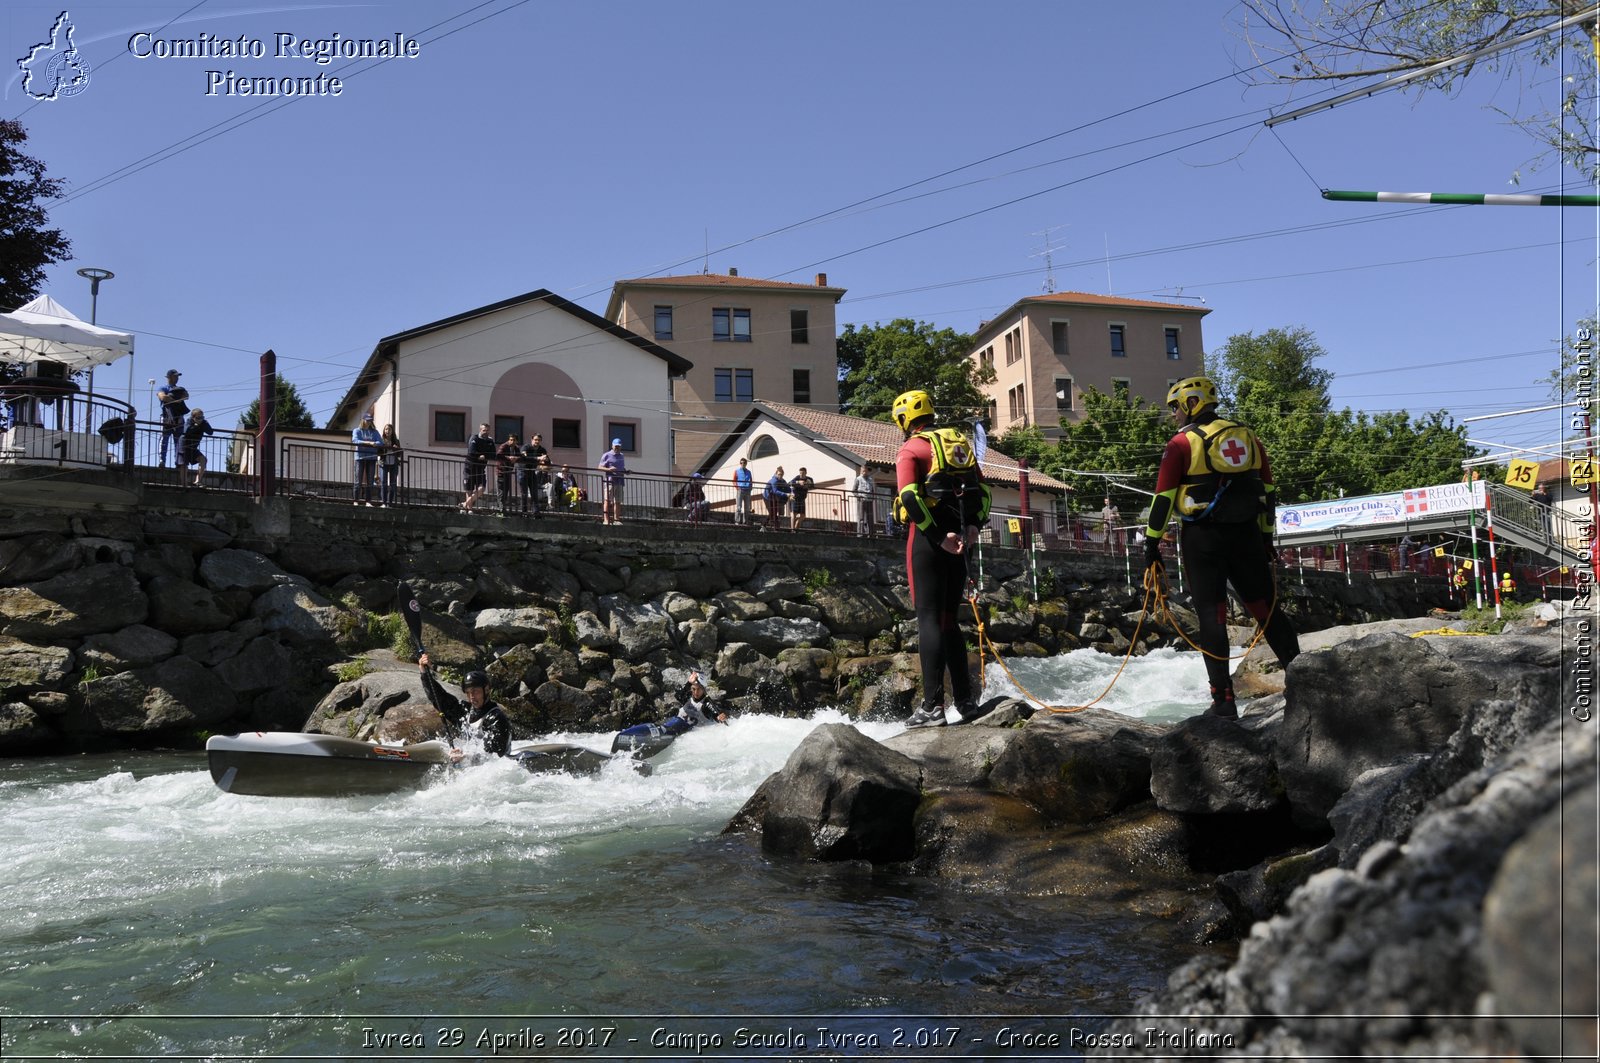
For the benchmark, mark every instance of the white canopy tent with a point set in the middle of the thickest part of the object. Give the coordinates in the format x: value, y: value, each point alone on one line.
x: 45, y: 331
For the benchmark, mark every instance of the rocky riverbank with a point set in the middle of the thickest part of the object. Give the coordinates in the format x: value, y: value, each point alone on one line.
x: 1403, y: 839
x: 152, y: 626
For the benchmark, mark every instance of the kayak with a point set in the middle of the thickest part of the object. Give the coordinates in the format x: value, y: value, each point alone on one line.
x: 297, y: 764
x: 648, y: 739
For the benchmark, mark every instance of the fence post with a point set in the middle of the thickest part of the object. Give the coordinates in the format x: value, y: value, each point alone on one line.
x: 267, y: 428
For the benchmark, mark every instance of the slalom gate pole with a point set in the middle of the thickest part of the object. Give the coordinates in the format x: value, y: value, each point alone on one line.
x: 1477, y: 566
x: 1494, y: 563
x: 1460, y: 199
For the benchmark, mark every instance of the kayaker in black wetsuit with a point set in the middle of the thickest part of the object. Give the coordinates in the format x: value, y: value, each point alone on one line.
x: 475, y: 714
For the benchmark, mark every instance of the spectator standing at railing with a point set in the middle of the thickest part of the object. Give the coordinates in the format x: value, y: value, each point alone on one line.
x: 1110, y: 517
x: 367, y: 441
x: 533, y: 471
x: 614, y: 470
x: 694, y: 499
x: 862, y: 488
x: 389, y: 458
x: 776, y: 496
x: 799, y: 487
x: 1541, y: 499
x: 743, y: 482
x: 475, y: 474
x: 195, y: 429
x: 174, y: 404
x: 506, y: 457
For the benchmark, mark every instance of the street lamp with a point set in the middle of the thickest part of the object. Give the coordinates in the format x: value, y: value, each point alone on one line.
x: 94, y: 275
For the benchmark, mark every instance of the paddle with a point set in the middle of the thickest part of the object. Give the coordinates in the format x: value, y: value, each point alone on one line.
x: 411, y: 612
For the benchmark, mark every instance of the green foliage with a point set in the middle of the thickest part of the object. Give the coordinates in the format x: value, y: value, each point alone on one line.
x: 291, y: 413
x: 878, y: 362
x: 27, y: 246
x: 817, y: 578
x: 566, y: 632
x: 1338, y: 40
x: 89, y: 675
x: 1114, y: 436
x: 1483, y: 618
x: 350, y: 671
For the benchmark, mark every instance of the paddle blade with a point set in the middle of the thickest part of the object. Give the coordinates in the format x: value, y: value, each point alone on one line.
x: 411, y: 610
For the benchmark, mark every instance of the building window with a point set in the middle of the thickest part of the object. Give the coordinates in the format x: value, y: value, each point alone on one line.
x: 1119, y: 347
x: 1058, y: 338
x: 663, y: 322
x: 507, y: 425
x: 1121, y: 388
x: 627, y: 431
x: 1013, y: 346
x: 735, y: 385
x: 986, y: 357
x: 802, y: 387
x: 1017, y: 398
x: 566, y: 434
x: 1064, y: 394
x: 449, y: 426
x: 799, y: 327
x: 730, y: 323
x: 1172, y: 345
x: 763, y: 447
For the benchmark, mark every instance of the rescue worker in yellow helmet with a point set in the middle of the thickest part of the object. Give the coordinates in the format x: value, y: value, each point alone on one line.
x: 943, y: 498
x: 1216, y: 479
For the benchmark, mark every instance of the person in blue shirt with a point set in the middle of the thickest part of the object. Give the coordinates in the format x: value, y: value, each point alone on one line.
x: 742, y: 484
x: 777, y: 497
x: 615, y: 467
x: 368, y: 443
x: 174, y: 401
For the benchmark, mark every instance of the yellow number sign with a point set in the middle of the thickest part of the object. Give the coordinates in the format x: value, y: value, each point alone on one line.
x: 1015, y: 526
x: 1522, y: 473
x: 1583, y: 471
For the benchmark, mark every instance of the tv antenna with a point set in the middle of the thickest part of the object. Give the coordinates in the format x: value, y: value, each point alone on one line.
x: 1048, y: 255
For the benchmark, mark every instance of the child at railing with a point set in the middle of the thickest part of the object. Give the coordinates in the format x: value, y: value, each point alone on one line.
x: 194, y: 430
x: 389, y: 459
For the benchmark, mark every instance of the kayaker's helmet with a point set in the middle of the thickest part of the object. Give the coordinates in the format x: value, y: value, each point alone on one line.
x: 476, y: 678
x: 1192, y: 394
x: 911, y: 407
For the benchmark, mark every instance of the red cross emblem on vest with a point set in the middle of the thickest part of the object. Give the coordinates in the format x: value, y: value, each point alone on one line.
x: 1234, y: 452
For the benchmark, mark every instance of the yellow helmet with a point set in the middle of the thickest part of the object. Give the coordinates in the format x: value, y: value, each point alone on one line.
x: 910, y: 408
x: 1192, y: 393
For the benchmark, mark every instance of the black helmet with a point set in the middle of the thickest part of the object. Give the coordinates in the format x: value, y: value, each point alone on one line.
x: 476, y: 678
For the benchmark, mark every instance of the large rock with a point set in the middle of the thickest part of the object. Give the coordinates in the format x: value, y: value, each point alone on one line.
x: 357, y: 708
x: 639, y: 630
x: 24, y: 666
x: 1260, y: 674
x: 1077, y: 767
x: 1539, y: 932
x: 31, y: 558
x: 521, y: 625
x: 135, y: 646
x: 180, y: 608
x: 84, y: 601
x: 226, y: 570
x: 840, y: 796
x: 1368, y: 703
x: 850, y: 609
x: 773, y: 634
x: 298, y: 614
x: 328, y: 562
x: 22, y: 730
x: 262, y: 665
x: 1206, y: 765
x: 177, y: 695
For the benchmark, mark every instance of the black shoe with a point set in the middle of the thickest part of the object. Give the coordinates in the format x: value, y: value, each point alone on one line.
x: 1222, y: 704
x: 928, y: 716
x: 968, y: 710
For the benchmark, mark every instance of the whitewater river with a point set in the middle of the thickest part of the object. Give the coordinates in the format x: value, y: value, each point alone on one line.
x: 148, y: 915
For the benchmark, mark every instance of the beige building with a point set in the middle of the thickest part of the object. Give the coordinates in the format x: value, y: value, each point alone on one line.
x: 1047, y: 350
x: 749, y: 340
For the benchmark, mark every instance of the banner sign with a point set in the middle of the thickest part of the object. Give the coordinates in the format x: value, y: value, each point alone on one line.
x: 1367, y: 511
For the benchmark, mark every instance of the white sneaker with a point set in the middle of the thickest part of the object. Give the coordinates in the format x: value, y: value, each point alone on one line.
x: 928, y: 717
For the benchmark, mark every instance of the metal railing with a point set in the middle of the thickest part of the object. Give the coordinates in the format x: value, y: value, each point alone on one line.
x: 80, y: 431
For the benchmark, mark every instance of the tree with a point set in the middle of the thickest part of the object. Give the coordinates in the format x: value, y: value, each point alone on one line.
x: 27, y: 246
x: 291, y: 411
x: 878, y: 362
x: 1113, y: 436
x: 1339, y: 40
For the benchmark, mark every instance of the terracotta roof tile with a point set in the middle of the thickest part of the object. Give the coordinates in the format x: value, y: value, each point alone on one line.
x: 877, y: 442
x: 720, y: 280
x: 1090, y: 299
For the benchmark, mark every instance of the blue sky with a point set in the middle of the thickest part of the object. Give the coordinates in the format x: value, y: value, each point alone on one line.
x: 566, y: 145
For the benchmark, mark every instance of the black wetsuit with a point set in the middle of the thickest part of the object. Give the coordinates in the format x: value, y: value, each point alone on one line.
x: 490, y: 721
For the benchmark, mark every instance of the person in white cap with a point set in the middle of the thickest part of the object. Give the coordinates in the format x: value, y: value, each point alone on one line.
x: 174, y: 406
x: 615, y: 467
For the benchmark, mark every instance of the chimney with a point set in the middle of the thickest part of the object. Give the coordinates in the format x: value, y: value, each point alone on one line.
x: 822, y: 280
x: 733, y: 271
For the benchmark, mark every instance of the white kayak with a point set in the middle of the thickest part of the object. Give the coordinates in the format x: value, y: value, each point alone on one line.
x: 297, y: 764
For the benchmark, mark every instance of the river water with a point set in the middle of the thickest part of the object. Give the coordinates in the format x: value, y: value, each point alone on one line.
x: 148, y: 915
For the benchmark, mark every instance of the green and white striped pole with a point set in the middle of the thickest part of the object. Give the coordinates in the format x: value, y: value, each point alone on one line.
x: 1461, y: 199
